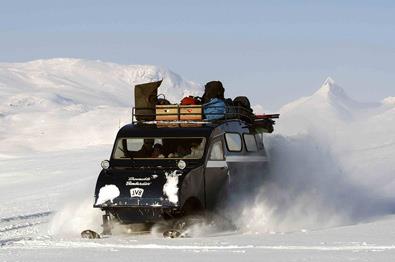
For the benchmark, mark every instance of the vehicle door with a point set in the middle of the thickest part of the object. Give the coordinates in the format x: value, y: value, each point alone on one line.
x: 216, y: 174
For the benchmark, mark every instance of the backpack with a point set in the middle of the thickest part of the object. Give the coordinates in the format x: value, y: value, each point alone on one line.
x: 213, y: 89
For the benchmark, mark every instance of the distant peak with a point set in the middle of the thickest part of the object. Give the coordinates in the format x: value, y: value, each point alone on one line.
x: 329, y: 81
x: 330, y: 88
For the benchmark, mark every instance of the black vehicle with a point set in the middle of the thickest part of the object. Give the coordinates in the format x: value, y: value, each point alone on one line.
x: 168, y: 169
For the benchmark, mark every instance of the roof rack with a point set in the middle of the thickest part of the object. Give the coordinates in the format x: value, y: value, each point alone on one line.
x: 192, y: 116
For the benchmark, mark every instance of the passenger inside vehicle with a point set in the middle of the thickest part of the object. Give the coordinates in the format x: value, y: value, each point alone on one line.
x: 181, y: 151
x: 196, y: 150
x: 158, y: 151
x: 146, y: 150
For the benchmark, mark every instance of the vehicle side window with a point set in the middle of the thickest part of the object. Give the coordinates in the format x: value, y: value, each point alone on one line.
x: 233, y: 142
x: 217, y: 151
x: 250, y: 142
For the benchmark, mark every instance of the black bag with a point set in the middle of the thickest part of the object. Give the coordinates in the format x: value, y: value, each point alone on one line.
x: 213, y: 89
x: 243, y: 108
x: 162, y: 101
x: 229, y: 102
x: 242, y: 101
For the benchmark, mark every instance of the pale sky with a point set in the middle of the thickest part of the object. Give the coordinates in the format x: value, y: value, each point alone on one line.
x: 271, y: 51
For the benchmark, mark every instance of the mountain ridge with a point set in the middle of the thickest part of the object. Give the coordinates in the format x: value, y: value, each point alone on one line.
x: 64, y: 103
x: 75, y: 79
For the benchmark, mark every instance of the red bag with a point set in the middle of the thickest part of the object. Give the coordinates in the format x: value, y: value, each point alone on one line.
x: 190, y: 100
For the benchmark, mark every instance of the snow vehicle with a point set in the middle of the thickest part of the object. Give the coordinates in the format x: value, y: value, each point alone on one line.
x: 170, y: 163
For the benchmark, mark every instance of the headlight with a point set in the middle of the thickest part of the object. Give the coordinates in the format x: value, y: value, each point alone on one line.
x: 181, y: 164
x: 105, y: 164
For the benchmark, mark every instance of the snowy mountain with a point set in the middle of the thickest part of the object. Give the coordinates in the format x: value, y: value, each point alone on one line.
x: 331, y: 97
x: 331, y: 112
x: 45, y: 103
x: 327, y: 108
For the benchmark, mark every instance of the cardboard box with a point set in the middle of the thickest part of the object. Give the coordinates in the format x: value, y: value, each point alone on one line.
x: 167, y: 113
x: 191, y: 113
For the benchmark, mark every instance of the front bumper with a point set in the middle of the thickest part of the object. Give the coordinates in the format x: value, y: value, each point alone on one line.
x: 137, y: 202
x: 140, y: 210
x: 141, y: 214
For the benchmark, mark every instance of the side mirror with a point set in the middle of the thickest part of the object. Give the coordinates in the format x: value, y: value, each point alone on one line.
x: 105, y: 164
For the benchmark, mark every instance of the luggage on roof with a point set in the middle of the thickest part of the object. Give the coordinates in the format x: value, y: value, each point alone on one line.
x: 149, y: 107
x: 213, y: 89
x: 191, y: 112
x: 191, y: 100
x: 215, y: 109
x: 162, y: 101
x: 242, y: 101
x: 145, y: 99
x: 167, y: 113
x: 179, y: 112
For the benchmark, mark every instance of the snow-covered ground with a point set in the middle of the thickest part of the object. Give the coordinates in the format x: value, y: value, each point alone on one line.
x: 330, y: 196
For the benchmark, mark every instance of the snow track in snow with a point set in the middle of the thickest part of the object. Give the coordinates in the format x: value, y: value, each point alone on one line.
x: 24, y: 217
x: 19, y: 226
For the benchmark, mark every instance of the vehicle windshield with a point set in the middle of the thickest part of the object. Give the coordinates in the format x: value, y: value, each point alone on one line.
x: 159, y: 147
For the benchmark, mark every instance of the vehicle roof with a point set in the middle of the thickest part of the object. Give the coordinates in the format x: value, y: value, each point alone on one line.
x: 154, y: 130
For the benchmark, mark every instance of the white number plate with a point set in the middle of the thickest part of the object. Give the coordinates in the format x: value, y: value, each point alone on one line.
x: 136, y: 192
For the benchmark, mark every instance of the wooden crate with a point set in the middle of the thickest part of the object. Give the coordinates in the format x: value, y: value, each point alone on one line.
x: 167, y: 113
x: 191, y: 113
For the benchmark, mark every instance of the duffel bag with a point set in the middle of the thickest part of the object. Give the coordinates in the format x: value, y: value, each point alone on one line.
x: 214, y: 109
